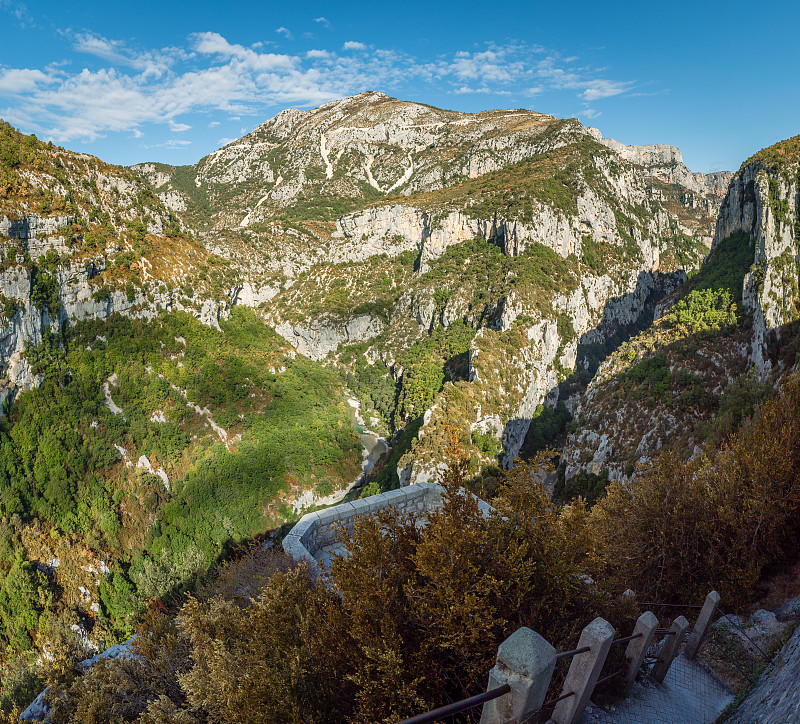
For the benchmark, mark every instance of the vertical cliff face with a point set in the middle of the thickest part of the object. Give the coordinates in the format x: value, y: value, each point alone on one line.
x: 82, y: 240
x: 679, y: 382
x: 763, y: 201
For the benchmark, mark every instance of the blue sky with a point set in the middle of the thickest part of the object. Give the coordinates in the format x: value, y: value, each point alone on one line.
x: 173, y: 81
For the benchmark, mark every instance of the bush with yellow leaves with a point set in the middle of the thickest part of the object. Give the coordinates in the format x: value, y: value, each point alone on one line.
x: 681, y: 528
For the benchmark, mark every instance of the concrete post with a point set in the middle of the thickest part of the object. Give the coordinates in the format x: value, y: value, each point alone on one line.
x: 670, y: 649
x: 584, y: 671
x: 646, y: 625
x: 701, y: 626
x: 525, y: 661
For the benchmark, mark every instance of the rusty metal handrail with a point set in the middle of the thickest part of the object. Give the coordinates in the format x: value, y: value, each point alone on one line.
x: 553, y: 702
x: 611, y: 676
x: 627, y: 638
x: 458, y: 706
x: 574, y: 652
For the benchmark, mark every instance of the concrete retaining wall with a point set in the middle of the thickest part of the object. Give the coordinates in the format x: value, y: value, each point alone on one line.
x: 315, y: 531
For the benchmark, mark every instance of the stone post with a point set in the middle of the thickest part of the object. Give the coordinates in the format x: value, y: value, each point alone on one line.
x: 646, y: 625
x: 584, y: 671
x: 525, y: 661
x: 670, y: 648
x: 701, y: 626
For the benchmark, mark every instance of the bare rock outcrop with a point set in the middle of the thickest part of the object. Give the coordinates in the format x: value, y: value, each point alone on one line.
x: 764, y: 203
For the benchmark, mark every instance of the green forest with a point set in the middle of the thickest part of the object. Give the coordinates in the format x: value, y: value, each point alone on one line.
x: 71, y: 483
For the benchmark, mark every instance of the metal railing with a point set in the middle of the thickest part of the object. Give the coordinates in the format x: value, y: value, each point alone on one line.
x: 473, y: 701
x: 458, y: 706
x: 574, y: 652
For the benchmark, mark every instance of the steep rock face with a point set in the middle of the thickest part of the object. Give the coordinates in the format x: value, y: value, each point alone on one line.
x: 668, y: 385
x: 621, y: 425
x: 78, y: 280
x: 325, y: 334
x: 325, y: 212
x: 776, y: 696
x: 394, y: 229
x: 515, y: 368
x: 81, y: 239
x: 304, y: 178
x: 763, y: 201
x: 665, y: 162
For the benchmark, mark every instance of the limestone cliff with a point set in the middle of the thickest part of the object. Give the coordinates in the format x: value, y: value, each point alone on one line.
x: 81, y: 239
x: 688, y: 379
x: 353, y: 227
x: 305, y: 178
x: 763, y: 201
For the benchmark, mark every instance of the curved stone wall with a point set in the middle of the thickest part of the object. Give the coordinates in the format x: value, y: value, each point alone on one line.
x: 315, y: 537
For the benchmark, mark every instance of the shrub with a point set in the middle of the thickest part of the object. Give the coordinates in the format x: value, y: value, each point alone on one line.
x: 44, y: 292
x: 10, y: 307
x: 404, y: 600
x: 683, y: 528
x: 103, y: 294
x: 589, y: 486
x: 704, y: 310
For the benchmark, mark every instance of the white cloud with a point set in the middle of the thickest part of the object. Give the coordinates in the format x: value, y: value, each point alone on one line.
x: 322, y: 21
x: 213, y: 124
x: 590, y: 113
x: 19, y: 80
x: 151, y: 63
x: 580, y: 79
x: 132, y: 88
x: 215, y: 44
x: 604, y: 89
x: 171, y: 143
x: 285, y: 32
x: 482, y: 89
x: 489, y: 65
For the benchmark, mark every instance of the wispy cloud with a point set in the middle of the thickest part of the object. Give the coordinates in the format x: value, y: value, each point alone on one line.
x: 323, y: 21
x: 285, y: 32
x: 170, y: 143
x: 127, y: 89
x: 18, y: 10
x: 152, y: 63
x: 605, y: 89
